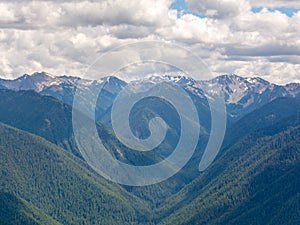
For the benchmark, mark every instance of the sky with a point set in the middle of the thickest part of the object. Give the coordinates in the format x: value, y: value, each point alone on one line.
x: 244, y: 37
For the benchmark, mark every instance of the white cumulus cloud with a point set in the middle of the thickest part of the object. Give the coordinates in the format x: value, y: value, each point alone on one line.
x: 65, y: 37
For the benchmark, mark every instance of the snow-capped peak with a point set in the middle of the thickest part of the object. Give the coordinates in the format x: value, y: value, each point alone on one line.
x: 235, y: 88
x: 178, y: 79
x: 37, y: 81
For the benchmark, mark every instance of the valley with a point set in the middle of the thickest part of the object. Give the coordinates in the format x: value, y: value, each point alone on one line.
x: 46, y: 180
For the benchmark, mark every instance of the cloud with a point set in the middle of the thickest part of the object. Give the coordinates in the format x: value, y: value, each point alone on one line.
x: 220, y: 9
x: 65, y: 37
x: 84, y: 13
x: 272, y: 49
x: 275, y: 3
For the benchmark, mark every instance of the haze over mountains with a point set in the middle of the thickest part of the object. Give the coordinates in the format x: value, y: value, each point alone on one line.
x: 45, y: 180
x: 242, y: 95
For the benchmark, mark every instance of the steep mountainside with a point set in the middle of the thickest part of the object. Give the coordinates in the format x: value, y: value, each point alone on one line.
x: 49, y: 118
x: 256, y: 181
x: 64, y: 87
x: 2, y: 87
x: 42, y: 115
x: 242, y: 95
x: 15, y: 210
x: 266, y: 116
x: 60, y: 185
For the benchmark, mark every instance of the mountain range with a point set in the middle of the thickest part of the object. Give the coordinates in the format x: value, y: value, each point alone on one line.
x: 242, y: 95
x: 45, y: 180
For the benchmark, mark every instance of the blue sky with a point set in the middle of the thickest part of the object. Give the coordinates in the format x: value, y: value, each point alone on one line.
x: 181, y: 5
x: 286, y: 10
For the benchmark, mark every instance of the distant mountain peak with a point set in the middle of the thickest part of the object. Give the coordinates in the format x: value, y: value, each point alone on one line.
x: 113, y: 79
x: 37, y: 75
x: 233, y: 78
x: 25, y: 76
x: 256, y: 80
x: 36, y: 81
x: 242, y: 94
x: 42, y: 74
x: 178, y: 79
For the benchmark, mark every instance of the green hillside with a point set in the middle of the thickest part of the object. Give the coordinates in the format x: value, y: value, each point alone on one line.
x: 51, y: 119
x: 61, y: 185
x: 16, y: 211
x: 254, y: 182
x: 268, y: 115
x: 41, y: 115
x: 255, y: 179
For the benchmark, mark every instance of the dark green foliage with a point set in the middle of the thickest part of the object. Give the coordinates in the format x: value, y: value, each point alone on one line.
x: 16, y: 211
x: 254, y: 182
x: 49, y: 118
x: 41, y: 115
x: 140, y: 115
x: 263, y: 117
x: 60, y: 184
